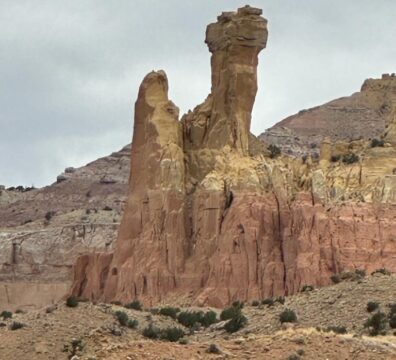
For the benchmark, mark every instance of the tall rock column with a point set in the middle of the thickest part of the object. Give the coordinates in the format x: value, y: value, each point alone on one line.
x: 149, y: 251
x: 235, y: 41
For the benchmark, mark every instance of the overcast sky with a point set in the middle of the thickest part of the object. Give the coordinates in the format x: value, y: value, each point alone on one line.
x: 70, y: 69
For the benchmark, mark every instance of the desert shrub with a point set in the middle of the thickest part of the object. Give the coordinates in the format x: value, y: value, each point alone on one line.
x: 172, y: 334
x: 6, y: 315
x: 335, y: 278
x: 230, y: 313
x: 372, y: 305
x: 190, y: 318
x: 151, y: 332
x: 337, y: 329
x: 274, y: 151
x: 307, y: 288
x: 154, y: 311
x: 118, y: 303
x: 213, y: 349
x: 255, y: 303
x: 135, y: 305
x: 377, y: 143
x: 19, y: 311
x: 71, y: 301
x: 360, y: 272
x: 209, y: 318
x: 107, y: 208
x: 392, y: 316
x: 238, y: 304
x: 15, y: 325
x: 287, y: 315
x: 183, y: 341
x: 236, y: 323
x: 75, y: 346
x: 294, y: 357
x: 196, y: 318
x: 350, y: 158
x: 382, y: 271
x: 268, y: 302
x: 49, y: 215
x: 376, y: 324
x: 280, y: 299
x: 122, y: 317
x: 392, y: 321
x: 169, y: 311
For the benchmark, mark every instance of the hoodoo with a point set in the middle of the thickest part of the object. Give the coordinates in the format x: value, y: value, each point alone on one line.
x: 212, y: 218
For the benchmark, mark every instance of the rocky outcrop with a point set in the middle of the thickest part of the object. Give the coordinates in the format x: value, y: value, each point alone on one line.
x: 363, y: 115
x: 43, y: 231
x: 211, y: 218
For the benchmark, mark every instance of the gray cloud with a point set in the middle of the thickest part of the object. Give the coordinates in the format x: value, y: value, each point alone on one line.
x: 70, y: 70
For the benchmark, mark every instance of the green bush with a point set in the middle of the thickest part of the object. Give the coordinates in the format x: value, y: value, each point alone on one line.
x: 372, y: 305
x: 194, y: 318
x: 183, y: 341
x: 71, y: 301
x: 230, y: 313
x: 238, y: 304
x: 274, y: 151
x: 135, y: 305
x: 360, y: 272
x: 213, y: 349
x: 169, y: 311
x: 172, y: 334
x: 268, y: 302
x: 255, y: 303
x: 350, y: 158
x: 377, y: 143
x: 49, y: 215
x: 337, y: 329
x: 209, y: 318
x: 122, y: 317
x: 236, y: 323
x: 307, y: 288
x: 132, y: 323
x: 6, y: 314
x: 190, y: 318
x: 335, y: 158
x: 376, y: 324
x: 392, y: 316
x: 287, y: 316
x: 15, y: 325
x: 151, y: 332
x: 382, y: 271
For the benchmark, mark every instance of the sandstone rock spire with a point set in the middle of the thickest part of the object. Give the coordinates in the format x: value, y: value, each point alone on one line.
x: 235, y: 41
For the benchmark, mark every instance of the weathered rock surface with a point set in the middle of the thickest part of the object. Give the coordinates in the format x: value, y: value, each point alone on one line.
x: 43, y: 231
x: 363, y: 115
x: 211, y: 219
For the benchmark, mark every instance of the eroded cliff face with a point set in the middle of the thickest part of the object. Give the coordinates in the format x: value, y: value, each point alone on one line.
x: 211, y: 218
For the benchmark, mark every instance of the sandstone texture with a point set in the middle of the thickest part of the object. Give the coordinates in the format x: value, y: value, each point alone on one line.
x: 212, y: 218
x: 363, y: 115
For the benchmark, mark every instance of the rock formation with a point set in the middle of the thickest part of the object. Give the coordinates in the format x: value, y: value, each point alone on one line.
x: 43, y: 231
x: 363, y: 115
x: 211, y: 218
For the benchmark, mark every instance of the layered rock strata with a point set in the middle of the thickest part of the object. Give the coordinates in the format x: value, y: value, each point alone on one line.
x: 211, y: 218
x: 363, y: 115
